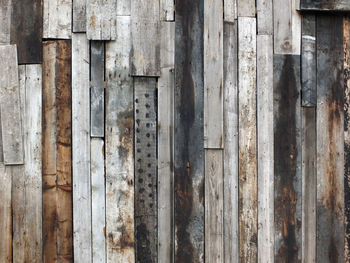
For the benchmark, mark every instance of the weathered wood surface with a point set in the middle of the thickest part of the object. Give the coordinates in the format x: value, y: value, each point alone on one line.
x: 248, y: 209
x: 245, y: 8
x: 189, y: 132
x: 230, y: 161
x: 308, y: 61
x: 145, y: 28
x: 79, y: 16
x: 167, y: 10
x: 325, y: 5
x: 26, y: 30
x: 167, y: 45
x: 5, y: 21
x: 11, y: 121
x: 264, y: 17
x: 119, y: 143
x: 97, y: 76
x: 98, y: 219
x: 309, y: 185
x: 57, y: 152
x: 287, y: 27
x: 287, y: 158
x: 57, y: 19
x: 230, y: 10
x: 265, y: 148
x: 330, y: 136
x: 213, y: 74
x: 5, y: 215
x: 81, y: 149
x: 101, y: 19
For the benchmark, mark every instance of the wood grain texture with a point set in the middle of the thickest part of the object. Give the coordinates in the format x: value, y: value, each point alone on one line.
x: 79, y: 16
x: 119, y: 141
x: 245, y: 8
x: 189, y: 132
x: 57, y: 19
x: 81, y: 149
x: 287, y: 158
x: 265, y: 17
x: 57, y: 152
x: 230, y: 165
x: 330, y: 136
x: 265, y: 148
x: 123, y: 8
x: 5, y: 21
x: 11, y: 121
x: 145, y: 28
x: 230, y: 10
x: 308, y: 61
x: 287, y: 27
x: 5, y: 215
x: 248, y: 206
x: 324, y: 5
x: 97, y: 94
x: 213, y: 74
x: 167, y: 10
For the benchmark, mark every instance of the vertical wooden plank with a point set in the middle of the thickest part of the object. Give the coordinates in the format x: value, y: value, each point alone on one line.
x: 265, y: 17
x: 265, y: 147
x: 145, y: 51
x: 308, y: 61
x: 246, y: 8
x: 79, y: 16
x: 287, y: 27
x: 98, y: 200
x: 231, y: 249
x: 287, y: 158
x: 123, y: 8
x: 119, y: 147
x: 330, y: 135
x: 248, y: 209
x: 5, y: 21
x: 214, y: 206
x: 189, y: 132
x: 97, y: 74
x: 81, y: 149
x: 309, y: 185
x: 10, y: 106
x: 5, y: 215
x: 167, y: 10
x: 101, y: 19
x: 57, y: 19
x: 213, y: 63
x: 230, y: 10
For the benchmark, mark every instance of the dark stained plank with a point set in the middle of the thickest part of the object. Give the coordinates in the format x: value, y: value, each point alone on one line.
x: 287, y: 155
x: 189, y: 132
x: 330, y: 135
x: 325, y: 5
x: 26, y: 30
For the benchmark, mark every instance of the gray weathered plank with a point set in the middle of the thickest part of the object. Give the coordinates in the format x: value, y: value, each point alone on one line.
x: 264, y: 17
x: 145, y: 28
x: 79, y: 16
x: 230, y: 10
x: 213, y: 74
x: 324, y: 5
x: 123, y: 7
x: 11, y: 124
x: 245, y: 8
x: 167, y: 45
x: 5, y: 21
x: 97, y: 75
x: 119, y: 143
x: 167, y: 10
x: 81, y: 149
x: 5, y: 215
x: 265, y: 147
x: 308, y: 60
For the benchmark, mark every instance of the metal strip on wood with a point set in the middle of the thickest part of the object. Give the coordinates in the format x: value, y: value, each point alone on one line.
x: 5, y: 21
x: 79, y: 16
x: 265, y: 17
x: 324, y: 5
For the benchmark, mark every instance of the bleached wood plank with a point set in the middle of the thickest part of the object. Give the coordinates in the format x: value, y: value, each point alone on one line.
x: 231, y: 241
x: 5, y: 21
x: 98, y: 200
x: 119, y: 147
x: 79, y: 16
x: 81, y: 148
x: 167, y: 45
x: 57, y: 15
x: 264, y: 17
x: 245, y: 8
x: 5, y: 214
x: 10, y: 106
x: 214, y: 206
x: 145, y: 28
x: 167, y: 10
x: 265, y: 148
x: 101, y: 19
x: 248, y: 209
x: 287, y: 27
x: 230, y: 10
x: 213, y: 74
x: 123, y: 7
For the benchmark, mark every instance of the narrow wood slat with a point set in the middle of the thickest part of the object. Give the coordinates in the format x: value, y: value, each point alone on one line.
x: 167, y: 45
x: 230, y: 10
x: 57, y: 19
x: 265, y: 17
x: 230, y: 165
x: 287, y: 158
x: 167, y: 10
x: 189, y: 132
x: 119, y: 143
x: 245, y: 8
x: 79, y: 16
x: 81, y: 149
x: 248, y: 209
x: 324, y: 5
x: 97, y: 75
x: 213, y: 74
x: 11, y: 121
x: 265, y: 148
x: 330, y: 139
x: 5, y: 215
x: 5, y: 21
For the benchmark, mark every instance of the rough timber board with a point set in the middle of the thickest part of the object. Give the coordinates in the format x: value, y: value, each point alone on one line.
x: 79, y: 16
x: 5, y: 21
x: 324, y: 5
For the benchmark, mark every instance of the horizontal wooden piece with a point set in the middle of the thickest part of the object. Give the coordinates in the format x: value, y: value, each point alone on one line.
x: 79, y: 16
x: 324, y: 5
x: 5, y: 21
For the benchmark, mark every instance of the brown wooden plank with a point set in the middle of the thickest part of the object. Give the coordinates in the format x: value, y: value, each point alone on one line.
x: 325, y: 5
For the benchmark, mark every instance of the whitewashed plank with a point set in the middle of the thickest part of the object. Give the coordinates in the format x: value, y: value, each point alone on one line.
x: 230, y: 10
x: 246, y: 8
x: 57, y: 19
x: 264, y: 17
x: 5, y: 214
x: 81, y: 149
x: 265, y: 148
x: 167, y: 10
x: 213, y: 74
x: 123, y: 8
x: 119, y: 147
x: 79, y: 16
x: 5, y: 21
x: 98, y: 200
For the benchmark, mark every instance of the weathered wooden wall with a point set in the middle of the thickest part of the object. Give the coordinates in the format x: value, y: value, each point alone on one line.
x: 163, y: 131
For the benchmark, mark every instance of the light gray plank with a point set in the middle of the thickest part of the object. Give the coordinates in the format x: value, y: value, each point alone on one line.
x: 230, y: 10
x: 167, y: 45
x: 5, y: 21
x: 167, y: 10
x: 79, y: 16
x: 123, y: 7
x: 5, y: 215
x: 10, y: 106
x: 246, y: 8
x: 81, y: 149
x: 265, y: 17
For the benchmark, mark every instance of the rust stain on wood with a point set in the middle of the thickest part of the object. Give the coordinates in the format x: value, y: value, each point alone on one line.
x: 125, y: 122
